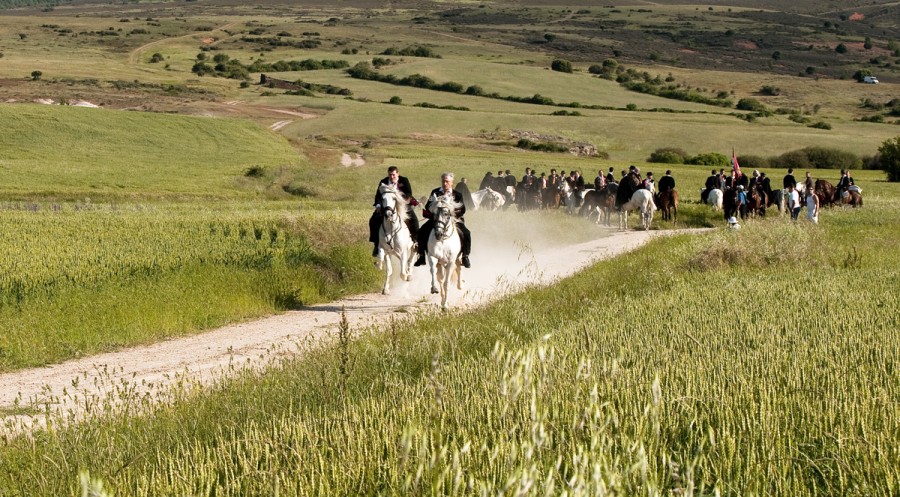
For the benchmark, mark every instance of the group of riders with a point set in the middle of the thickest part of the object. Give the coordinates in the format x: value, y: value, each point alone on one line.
x: 421, y: 234
x: 743, y: 187
x: 603, y: 182
x: 534, y: 191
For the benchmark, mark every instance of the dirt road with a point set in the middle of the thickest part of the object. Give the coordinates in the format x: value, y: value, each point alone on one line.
x: 205, y: 357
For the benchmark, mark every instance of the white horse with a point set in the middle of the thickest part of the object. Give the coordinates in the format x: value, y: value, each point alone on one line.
x: 641, y: 200
x: 394, y: 238
x: 569, y: 197
x: 444, y: 247
x: 488, y: 199
x: 715, y: 198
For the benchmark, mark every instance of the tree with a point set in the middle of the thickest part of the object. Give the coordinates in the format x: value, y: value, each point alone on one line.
x: 156, y: 57
x: 36, y: 75
x: 561, y: 65
x: 890, y: 158
x: 868, y: 43
x: 395, y: 100
x: 549, y: 37
x: 841, y: 48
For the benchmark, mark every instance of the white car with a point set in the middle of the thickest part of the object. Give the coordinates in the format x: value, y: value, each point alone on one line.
x: 872, y: 80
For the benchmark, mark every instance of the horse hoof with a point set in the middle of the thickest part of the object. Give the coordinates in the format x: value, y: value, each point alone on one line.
x: 435, y: 290
x: 385, y: 292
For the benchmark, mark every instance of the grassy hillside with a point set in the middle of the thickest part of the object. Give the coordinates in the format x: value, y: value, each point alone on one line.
x: 73, y: 151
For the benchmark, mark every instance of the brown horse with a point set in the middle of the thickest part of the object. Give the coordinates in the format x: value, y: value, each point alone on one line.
x: 829, y: 195
x: 550, y: 197
x: 667, y: 202
x: 755, y: 204
x: 604, y: 201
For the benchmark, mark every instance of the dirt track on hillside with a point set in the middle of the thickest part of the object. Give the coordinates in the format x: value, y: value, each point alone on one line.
x: 496, y: 270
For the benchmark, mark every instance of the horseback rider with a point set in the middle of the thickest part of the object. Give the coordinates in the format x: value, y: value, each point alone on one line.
x: 401, y: 184
x: 648, y: 183
x: 610, y: 177
x: 599, y: 181
x: 844, y: 183
x: 487, y: 181
x: 667, y: 182
x: 789, y: 180
x: 712, y: 182
x: 465, y: 236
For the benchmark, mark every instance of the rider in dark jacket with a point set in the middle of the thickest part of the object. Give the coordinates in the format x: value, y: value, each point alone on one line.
x: 402, y: 184
x: 465, y: 236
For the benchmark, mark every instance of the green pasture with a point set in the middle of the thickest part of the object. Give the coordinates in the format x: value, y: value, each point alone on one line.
x: 75, y: 151
x: 732, y: 363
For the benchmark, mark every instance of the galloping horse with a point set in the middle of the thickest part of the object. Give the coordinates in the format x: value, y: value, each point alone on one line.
x: 444, y: 248
x: 641, y: 200
x: 828, y: 195
x: 394, y: 238
x: 487, y: 199
x: 667, y: 202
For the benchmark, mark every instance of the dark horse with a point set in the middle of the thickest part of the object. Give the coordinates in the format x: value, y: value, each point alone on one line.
x: 829, y: 195
x: 667, y: 202
x: 729, y: 203
x: 603, y: 200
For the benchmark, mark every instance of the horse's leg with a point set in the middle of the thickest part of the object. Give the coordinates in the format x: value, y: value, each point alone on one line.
x: 386, y: 290
x: 458, y: 268
x: 446, y: 270
x: 433, y: 266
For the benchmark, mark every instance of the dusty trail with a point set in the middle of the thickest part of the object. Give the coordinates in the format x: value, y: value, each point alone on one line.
x: 207, y: 356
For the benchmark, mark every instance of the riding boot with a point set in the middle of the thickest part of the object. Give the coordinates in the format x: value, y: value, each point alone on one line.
x: 421, y: 260
x: 375, y: 251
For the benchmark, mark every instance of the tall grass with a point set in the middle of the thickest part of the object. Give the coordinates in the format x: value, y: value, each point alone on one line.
x: 645, y: 374
x: 152, y: 271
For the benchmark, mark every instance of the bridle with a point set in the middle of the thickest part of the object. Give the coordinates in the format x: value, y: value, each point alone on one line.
x: 444, y: 224
x: 390, y: 215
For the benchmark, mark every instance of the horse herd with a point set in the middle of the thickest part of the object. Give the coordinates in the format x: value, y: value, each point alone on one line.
x: 445, y: 249
x: 599, y: 204
x: 757, y: 204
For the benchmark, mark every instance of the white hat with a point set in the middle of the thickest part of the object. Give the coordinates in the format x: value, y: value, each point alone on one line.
x: 740, y: 187
x: 732, y: 220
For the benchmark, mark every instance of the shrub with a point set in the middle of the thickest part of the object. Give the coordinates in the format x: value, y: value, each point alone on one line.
x: 668, y: 155
x: 595, y: 69
x: 255, y: 172
x: 841, y: 48
x: 832, y: 158
x: 795, y: 158
x: 395, y: 100
x: 751, y: 104
x: 770, y: 90
x: 36, y: 75
x: 750, y: 162
x: 710, y: 159
x: 561, y: 65
x: 889, y: 157
x: 156, y: 57
x: 820, y: 125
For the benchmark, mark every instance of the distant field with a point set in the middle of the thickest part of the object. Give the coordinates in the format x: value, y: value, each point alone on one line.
x: 59, y: 150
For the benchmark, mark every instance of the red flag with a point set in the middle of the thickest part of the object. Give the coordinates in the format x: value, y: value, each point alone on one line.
x: 735, y: 167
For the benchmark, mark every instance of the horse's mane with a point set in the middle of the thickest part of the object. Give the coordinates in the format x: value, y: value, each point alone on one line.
x: 437, y: 201
x: 398, y: 198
